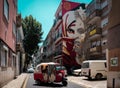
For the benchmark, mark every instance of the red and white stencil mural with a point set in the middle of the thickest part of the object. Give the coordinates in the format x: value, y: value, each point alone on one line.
x: 73, y: 16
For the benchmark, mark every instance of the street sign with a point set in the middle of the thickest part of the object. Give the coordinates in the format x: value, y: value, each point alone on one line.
x: 114, y: 61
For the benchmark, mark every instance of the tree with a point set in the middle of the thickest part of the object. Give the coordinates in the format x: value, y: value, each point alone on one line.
x: 32, y: 30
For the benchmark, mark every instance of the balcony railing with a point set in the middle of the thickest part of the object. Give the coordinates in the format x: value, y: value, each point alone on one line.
x: 95, y: 16
x: 58, y: 53
x: 95, y: 33
x: 96, y: 50
x: 18, y: 47
x: 57, y: 21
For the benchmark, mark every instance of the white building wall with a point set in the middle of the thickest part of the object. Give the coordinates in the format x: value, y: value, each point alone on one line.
x: 6, y: 76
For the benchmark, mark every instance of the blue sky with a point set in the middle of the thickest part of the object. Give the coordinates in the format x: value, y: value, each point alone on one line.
x: 42, y: 10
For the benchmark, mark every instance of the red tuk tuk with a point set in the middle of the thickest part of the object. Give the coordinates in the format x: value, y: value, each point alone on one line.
x: 49, y: 73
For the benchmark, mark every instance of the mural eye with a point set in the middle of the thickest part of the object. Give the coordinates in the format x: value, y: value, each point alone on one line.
x: 80, y: 30
x: 71, y: 30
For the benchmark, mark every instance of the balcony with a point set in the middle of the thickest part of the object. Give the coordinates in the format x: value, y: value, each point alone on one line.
x: 96, y: 50
x: 93, y: 12
x: 57, y: 22
x: 95, y: 33
x: 58, y: 40
x: 18, y: 20
x: 95, y: 16
x: 58, y: 53
x: 18, y: 47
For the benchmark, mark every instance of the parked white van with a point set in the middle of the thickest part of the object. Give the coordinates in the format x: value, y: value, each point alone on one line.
x: 94, y: 69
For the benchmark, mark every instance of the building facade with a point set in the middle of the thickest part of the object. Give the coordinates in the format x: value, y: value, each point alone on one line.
x: 8, y: 11
x: 113, y: 53
x: 38, y: 57
x: 96, y: 29
x: 20, y: 53
x: 49, y: 46
x: 66, y: 35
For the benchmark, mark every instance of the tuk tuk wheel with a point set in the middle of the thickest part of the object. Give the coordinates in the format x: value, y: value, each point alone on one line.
x: 38, y: 82
x: 64, y: 83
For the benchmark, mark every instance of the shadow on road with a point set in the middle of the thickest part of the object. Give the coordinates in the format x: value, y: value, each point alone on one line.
x: 95, y: 79
x: 49, y: 85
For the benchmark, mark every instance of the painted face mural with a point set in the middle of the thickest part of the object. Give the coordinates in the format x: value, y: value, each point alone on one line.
x: 73, y: 27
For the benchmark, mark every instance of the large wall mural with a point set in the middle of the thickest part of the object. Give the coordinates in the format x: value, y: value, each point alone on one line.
x: 73, y: 31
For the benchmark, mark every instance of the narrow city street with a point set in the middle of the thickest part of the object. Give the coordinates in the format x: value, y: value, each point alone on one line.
x: 74, y: 43
x: 73, y: 82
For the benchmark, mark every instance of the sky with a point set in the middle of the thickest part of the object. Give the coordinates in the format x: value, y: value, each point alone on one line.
x: 42, y: 10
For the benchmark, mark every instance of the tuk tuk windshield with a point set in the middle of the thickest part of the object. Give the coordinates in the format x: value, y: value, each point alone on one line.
x: 60, y: 68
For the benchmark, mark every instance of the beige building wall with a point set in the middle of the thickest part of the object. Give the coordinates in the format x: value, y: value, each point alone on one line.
x: 113, y: 80
x: 6, y: 76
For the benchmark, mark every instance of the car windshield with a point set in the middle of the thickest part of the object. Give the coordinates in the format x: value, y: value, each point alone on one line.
x: 60, y: 68
x: 85, y: 65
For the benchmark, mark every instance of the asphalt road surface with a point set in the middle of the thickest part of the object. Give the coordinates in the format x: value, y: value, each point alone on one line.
x: 31, y: 84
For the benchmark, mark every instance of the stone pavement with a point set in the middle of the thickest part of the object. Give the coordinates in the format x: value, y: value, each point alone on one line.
x: 87, y: 83
x: 18, y: 82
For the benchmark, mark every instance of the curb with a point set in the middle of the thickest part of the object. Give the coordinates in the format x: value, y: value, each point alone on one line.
x: 17, y: 83
x: 25, y: 82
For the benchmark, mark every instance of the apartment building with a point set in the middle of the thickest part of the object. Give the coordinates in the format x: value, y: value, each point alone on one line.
x: 20, y: 53
x: 67, y: 33
x: 8, y: 11
x: 38, y: 57
x: 96, y: 30
x: 49, y: 46
x: 113, y: 54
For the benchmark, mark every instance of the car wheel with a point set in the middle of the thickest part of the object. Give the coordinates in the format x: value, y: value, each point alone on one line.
x: 90, y: 78
x: 38, y: 82
x: 79, y: 74
x: 98, y: 76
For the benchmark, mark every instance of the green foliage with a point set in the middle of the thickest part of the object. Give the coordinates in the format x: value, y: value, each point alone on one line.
x: 32, y: 34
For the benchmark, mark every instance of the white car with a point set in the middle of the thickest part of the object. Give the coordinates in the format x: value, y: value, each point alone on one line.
x: 30, y: 70
x: 77, y: 72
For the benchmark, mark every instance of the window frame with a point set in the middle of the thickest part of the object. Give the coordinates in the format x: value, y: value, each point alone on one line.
x: 14, y: 29
x: 0, y: 52
x: 4, y: 49
x: 104, y: 22
x: 4, y: 12
x: 13, y: 60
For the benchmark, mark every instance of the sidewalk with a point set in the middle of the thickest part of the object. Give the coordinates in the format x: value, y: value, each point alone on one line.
x: 18, y: 82
x: 88, y: 84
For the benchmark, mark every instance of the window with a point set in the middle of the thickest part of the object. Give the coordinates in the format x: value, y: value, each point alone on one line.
x: 98, y: 43
x: 0, y: 53
x: 104, y: 4
x: 104, y: 22
x: 14, y: 28
x: 10, y: 58
x: 93, y: 44
x: 13, y: 61
x: 4, y: 54
x: 15, y: 1
x: 6, y: 9
x: 85, y: 65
